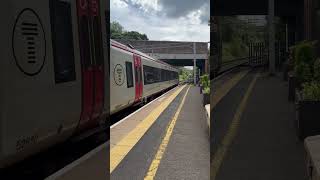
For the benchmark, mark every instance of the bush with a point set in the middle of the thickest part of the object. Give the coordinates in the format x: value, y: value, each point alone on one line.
x: 304, y: 52
x: 303, y: 72
x: 205, y: 83
x: 304, y: 60
x: 316, y: 70
x: 206, y: 90
x: 311, y: 91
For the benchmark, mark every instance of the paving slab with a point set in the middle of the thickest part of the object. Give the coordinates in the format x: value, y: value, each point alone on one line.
x: 265, y: 146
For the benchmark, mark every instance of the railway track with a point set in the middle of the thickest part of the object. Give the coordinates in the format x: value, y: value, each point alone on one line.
x: 230, y: 65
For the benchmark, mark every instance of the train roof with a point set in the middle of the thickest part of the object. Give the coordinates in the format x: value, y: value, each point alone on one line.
x: 129, y: 49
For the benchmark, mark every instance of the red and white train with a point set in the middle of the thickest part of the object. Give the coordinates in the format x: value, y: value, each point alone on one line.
x: 136, y: 76
x: 54, y: 74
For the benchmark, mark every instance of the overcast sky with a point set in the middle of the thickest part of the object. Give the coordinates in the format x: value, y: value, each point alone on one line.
x: 175, y: 20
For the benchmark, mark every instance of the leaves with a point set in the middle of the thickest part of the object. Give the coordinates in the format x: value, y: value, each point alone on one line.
x: 117, y: 32
x: 304, y: 53
x: 311, y: 91
x: 304, y: 61
x: 236, y: 35
x: 185, y: 74
x: 205, y: 83
x: 303, y: 72
x: 316, y: 70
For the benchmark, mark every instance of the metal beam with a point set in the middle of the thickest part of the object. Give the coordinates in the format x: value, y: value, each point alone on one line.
x: 194, y: 64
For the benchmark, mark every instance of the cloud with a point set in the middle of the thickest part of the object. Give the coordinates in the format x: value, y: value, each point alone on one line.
x: 172, y: 8
x: 153, y: 18
x: 179, y: 8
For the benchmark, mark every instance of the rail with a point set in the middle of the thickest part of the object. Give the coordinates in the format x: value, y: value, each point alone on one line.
x: 228, y: 65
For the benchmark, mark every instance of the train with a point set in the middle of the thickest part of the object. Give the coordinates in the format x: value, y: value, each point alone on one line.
x: 55, y: 70
x: 53, y: 73
x: 136, y: 76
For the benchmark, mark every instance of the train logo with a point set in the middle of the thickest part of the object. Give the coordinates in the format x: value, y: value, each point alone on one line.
x: 118, y: 75
x: 28, y: 42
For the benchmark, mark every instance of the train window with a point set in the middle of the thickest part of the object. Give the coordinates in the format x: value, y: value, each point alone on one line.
x: 163, y: 74
x: 62, y: 41
x: 157, y: 74
x: 129, y: 74
x: 166, y: 77
x: 149, y: 74
x: 154, y: 75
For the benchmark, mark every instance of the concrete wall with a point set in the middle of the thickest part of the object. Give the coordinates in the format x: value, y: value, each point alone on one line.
x: 173, y: 52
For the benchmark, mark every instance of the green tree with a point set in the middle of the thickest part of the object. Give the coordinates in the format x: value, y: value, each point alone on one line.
x: 116, y: 27
x: 134, y: 35
x: 117, y: 32
x: 236, y: 34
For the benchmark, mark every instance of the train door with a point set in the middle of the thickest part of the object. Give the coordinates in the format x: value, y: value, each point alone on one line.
x: 92, y: 62
x: 97, y: 53
x: 138, y: 77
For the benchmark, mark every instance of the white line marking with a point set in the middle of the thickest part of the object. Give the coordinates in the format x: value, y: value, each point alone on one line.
x: 161, y: 99
x: 119, y: 122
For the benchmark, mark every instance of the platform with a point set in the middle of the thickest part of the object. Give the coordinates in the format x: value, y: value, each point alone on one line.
x: 91, y: 165
x: 166, y: 139
x: 252, y: 129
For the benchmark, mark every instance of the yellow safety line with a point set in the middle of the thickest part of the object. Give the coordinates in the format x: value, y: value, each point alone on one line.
x: 231, y: 133
x: 122, y: 148
x: 162, y: 148
x: 219, y: 93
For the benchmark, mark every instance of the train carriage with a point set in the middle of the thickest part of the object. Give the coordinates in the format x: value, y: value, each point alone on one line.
x: 52, y: 85
x: 136, y: 76
x: 54, y: 73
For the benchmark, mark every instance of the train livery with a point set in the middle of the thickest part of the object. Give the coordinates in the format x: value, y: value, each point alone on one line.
x: 54, y: 74
x: 53, y: 71
x: 135, y: 76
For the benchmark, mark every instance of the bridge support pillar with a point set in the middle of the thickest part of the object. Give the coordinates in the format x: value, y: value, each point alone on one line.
x: 194, y: 64
x: 271, y: 37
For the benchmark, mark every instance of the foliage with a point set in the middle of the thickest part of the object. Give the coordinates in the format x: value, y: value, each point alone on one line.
x: 205, y: 83
x: 236, y: 34
x: 134, y: 35
x: 185, y: 74
x: 206, y: 90
x: 311, y: 91
x: 304, y: 52
x: 116, y: 27
x: 304, y: 61
x: 303, y: 72
x: 316, y: 70
x: 307, y: 70
x: 117, y: 32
